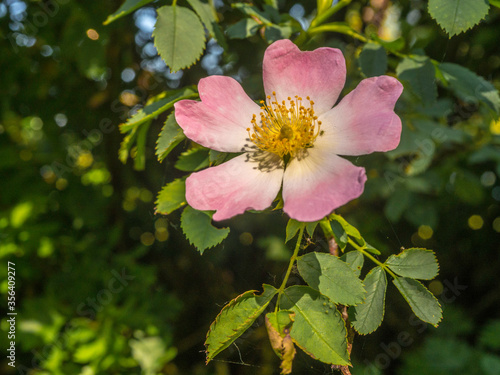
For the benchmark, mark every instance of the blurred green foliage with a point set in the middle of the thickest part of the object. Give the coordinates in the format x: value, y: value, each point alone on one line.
x: 105, y: 286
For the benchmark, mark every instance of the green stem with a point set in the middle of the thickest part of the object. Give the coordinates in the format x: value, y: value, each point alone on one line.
x: 337, y: 28
x: 290, y: 266
x: 320, y: 18
x: 327, y: 228
x: 372, y: 258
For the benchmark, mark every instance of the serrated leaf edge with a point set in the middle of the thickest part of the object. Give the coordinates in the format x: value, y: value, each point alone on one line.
x: 350, y: 268
x: 192, y: 243
x: 414, y: 248
x: 432, y: 295
x: 201, y: 52
x: 248, y: 293
x: 383, y: 305
x: 336, y: 312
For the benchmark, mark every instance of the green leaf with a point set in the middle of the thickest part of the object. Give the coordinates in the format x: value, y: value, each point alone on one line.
x: 414, y: 263
x: 355, y: 260
x: 171, y: 197
x: 198, y: 228
x: 243, y: 29
x: 339, y: 234
x: 179, y: 36
x: 495, y: 3
x: 292, y: 228
x: 193, y: 160
x: 208, y: 16
x: 170, y: 136
x: 490, y: 335
x: 420, y: 73
x: 151, y: 353
x: 273, y: 33
x: 311, y: 227
x: 318, y: 328
x: 397, y: 204
x: 126, y: 145
x: 162, y: 103
x: 456, y: 16
x: 369, y: 315
x: 281, y: 321
x: 332, y: 277
x: 252, y: 11
x: 371, y: 249
x: 350, y: 230
x: 127, y: 7
x: 395, y: 45
x: 470, y: 87
x: 235, y: 318
x: 490, y: 364
x: 425, y: 306
x: 140, y: 153
x: 373, y: 60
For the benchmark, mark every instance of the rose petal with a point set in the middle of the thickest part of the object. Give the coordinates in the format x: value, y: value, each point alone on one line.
x: 364, y: 121
x: 221, y: 119
x: 319, y: 74
x: 234, y: 187
x: 319, y: 183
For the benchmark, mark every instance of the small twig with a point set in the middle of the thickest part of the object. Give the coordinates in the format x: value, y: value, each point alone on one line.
x: 333, y: 247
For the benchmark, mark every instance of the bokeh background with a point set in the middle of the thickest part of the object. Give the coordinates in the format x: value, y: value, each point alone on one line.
x: 106, y: 286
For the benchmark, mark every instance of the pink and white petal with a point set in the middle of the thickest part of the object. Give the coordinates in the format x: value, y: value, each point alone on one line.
x: 364, y: 121
x: 318, y: 184
x: 233, y: 187
x: 319, y: 74
x: 221, y: 119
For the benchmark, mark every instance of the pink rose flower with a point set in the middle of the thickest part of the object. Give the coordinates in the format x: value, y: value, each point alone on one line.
x: 291, y: 141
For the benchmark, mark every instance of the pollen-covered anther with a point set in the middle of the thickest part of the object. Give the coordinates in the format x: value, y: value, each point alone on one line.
x: 285, y: 129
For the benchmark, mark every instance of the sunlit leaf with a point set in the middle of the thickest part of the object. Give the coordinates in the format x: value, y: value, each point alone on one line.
x: 355, y: 260
x: 208, y: 16
x: 235, y: 318
x: 292, y: 228
x: 318, y: 328
x: 179, y: 36
x: 127, y: 7
x: 422, y: 302
x: 369, y: 315
x: 332, y: 277
x: 456, y: 16
x: 170, y: 136
x: 198, y: 228
x: 171, y: 197
x: 310, y: 227
x: 414, y: 263
x: 349, y: 229
x: 162, y: 103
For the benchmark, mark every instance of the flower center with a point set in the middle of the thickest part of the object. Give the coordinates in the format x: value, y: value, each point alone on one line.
x: 284, y: 129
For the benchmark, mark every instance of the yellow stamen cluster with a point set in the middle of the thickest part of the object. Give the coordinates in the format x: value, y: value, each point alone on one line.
x: 284, y: 130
